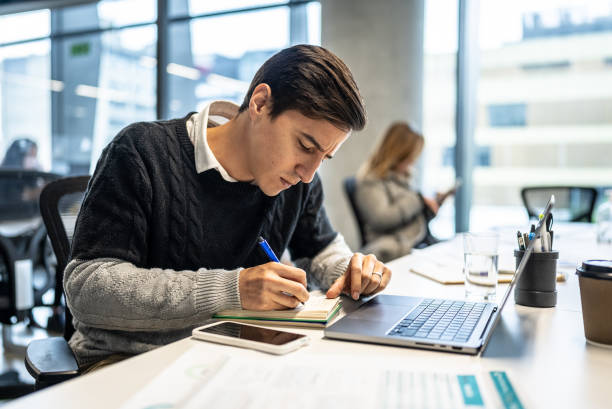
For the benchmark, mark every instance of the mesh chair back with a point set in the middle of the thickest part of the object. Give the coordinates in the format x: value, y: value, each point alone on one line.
x: 572, y: 203
x: 350, y: 187
x: 60, y: 202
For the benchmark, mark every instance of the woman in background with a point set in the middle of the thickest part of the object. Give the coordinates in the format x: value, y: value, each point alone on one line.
x: 395, y: 215
x: 22, y: 154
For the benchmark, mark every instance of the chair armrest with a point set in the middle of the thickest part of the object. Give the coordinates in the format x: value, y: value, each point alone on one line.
x: 51, y: 360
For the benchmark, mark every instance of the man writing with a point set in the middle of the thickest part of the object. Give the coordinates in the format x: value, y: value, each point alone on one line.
x: 167, y: 233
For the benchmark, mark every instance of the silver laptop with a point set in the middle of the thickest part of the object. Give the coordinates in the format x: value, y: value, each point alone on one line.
x: 428, y: 323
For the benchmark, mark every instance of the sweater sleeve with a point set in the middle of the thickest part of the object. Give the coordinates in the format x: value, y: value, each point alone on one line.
x: 382, y: 213
x: 330, y: 263
x: 116, y: 295
x: 106, y: 283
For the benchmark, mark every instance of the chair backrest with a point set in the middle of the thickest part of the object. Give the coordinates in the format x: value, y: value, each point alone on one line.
x: 8, y: 309
x: 572, y: 203
x: 350, y: 187
x: 60, y: 202
x: 21, y: 230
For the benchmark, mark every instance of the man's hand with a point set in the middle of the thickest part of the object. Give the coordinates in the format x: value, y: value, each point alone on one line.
x: 268, y: 287
x: 365, y: 275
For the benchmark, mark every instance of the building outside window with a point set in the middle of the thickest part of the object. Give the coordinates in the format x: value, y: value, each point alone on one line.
x: 544, y: 97
x: 544, y: 101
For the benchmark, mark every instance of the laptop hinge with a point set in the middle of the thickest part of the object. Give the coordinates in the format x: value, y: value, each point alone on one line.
x: 484, y: 329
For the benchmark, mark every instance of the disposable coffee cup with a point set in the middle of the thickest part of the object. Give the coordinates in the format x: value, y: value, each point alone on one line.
x: 595, y: 280
x: 537, y: 286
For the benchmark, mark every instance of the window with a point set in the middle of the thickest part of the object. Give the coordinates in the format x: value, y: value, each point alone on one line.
x: 439, y: 88
x: 26, y: 88
x: 501, y: 115
x: 11, y: 26
x: 199, y: 7
x: 205, y: 65
x: 208, y: 62
x: 71, y: 78
x: 105, y: 14
x: 544, y: 98
x: 109, y: 82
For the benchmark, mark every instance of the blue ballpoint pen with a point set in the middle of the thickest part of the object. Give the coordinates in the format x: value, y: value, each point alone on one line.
x: 267, y: 249
x: 270, y: 253
x: 532, y: 232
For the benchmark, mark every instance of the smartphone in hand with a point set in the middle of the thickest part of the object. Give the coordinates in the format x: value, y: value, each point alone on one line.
x: 441, y: 197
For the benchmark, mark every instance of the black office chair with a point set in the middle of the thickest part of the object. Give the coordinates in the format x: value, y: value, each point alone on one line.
x: 19, y: 213
x: 350, y: 187
x: 10, y: 313
x: 572, y: 203
x: 51, y: 360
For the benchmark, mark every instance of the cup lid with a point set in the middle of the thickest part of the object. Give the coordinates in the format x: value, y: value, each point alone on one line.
x: 601, y: 269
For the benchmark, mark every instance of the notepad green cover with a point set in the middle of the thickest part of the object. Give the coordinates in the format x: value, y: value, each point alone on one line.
x: 317, y: 311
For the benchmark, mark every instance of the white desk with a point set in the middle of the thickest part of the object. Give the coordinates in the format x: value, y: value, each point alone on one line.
x: 543, y: 350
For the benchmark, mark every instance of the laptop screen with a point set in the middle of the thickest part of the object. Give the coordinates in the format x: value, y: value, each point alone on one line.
x: 519, y: 270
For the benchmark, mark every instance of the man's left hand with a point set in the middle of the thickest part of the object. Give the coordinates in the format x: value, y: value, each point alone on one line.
x: 365, y: 275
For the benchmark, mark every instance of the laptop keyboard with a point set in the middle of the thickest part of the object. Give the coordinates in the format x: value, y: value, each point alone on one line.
x: 442, y: 320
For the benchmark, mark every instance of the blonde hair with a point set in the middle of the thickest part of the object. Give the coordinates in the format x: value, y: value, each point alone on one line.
x: 399, y: 143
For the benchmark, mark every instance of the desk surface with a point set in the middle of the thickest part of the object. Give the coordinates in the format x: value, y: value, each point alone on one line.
x: 543, y: 349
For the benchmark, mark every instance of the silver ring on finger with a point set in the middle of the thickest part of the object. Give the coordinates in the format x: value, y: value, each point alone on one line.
x: 379, y: 274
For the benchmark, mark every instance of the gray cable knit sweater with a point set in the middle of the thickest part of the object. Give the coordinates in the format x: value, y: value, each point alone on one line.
x: 158, y: 247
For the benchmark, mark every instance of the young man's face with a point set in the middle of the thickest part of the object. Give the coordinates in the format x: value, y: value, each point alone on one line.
x: 290, y: 149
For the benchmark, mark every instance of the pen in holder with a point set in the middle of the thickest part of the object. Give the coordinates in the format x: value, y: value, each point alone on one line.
x: 537, y: 285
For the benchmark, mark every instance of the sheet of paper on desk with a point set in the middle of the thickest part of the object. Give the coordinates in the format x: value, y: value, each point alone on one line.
x: 446, y: 270
x: 449, y: 270
x: 195, y: 381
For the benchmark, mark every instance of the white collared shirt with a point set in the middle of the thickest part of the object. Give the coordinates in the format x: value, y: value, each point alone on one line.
x: 331, y: 262
x: 197, y: 125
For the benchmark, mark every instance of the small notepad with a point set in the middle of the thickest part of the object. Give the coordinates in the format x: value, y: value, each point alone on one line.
x: 316, y: 312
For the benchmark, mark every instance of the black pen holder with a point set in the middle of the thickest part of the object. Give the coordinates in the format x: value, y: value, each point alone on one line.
x: 537, y: 286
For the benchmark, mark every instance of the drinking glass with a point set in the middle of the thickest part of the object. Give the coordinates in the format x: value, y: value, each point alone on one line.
x: 480, y: 265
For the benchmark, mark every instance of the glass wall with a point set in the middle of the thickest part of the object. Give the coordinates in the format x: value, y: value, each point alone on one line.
x: 439, y: 89
x: 26, y: 85
x: 544, y: 101
x: 202, y: 70
x: 79, y: 74
x: 110, y: 83
x: 76, y: 78
x: 208, y: 62
x: 26, y: 88
x: 199, y: 7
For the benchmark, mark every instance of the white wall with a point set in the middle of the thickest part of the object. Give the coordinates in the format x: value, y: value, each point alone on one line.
x: 382, y: 43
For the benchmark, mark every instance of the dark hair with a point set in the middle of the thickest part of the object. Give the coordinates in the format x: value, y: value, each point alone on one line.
x: 314, y: 82
x: 17, y: 152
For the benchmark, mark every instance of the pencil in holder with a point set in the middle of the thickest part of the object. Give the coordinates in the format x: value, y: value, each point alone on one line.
x: 537, y: 286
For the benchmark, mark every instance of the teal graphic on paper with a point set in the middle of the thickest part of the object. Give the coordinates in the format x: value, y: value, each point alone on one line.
x: 470, y: 391
x: 505, y: 390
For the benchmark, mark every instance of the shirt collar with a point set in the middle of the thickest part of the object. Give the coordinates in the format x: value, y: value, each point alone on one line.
x: 213, y: 114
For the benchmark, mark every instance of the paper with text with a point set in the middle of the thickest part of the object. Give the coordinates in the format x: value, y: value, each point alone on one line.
x: 197, y: 381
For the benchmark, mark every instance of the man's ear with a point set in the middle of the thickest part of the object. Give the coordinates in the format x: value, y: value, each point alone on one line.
x: 261, y: 101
